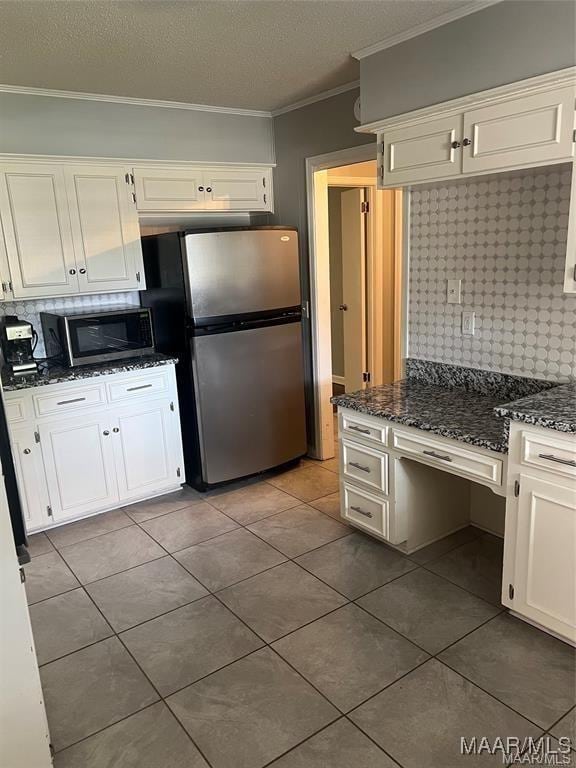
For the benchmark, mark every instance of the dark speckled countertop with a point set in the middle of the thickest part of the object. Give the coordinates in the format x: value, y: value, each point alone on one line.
x: 466, y: 404
x: 57, y: 374
x: 554, y: 409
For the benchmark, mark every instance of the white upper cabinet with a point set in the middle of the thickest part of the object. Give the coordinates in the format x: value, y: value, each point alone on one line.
x: 522, y: 132
x: 169, y: 189
x: 181, y: 189
x: 36, y: 224
x: 233, y: 189
x: 105, y: 229
x: 421, y: 152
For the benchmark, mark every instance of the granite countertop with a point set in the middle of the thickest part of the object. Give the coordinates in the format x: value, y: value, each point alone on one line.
x: 554, y: 409
x: 449, y: 412
x: 58, y: 374
x: 467, y: 404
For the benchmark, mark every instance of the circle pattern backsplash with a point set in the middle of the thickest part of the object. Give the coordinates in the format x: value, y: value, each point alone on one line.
x: 504, y: 236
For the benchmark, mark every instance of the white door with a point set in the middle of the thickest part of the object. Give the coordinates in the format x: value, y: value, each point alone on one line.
x: 234, y: 189
x: 105, y: 229
x: 36, y: 222
x: 527, y: 131
x: 545, y: 567
x: 169, y: 189
x: 31, y: 478
x: 430, y: 150
x: 24, y: 737
x: 146, y: 448
x: 79, y: 460
x: 354, y: 287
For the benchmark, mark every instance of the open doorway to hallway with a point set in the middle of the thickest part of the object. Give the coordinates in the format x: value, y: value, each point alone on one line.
x: 357, y: 275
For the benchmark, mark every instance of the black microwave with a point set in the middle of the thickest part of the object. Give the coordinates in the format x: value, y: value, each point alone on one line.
x: 84, y: 337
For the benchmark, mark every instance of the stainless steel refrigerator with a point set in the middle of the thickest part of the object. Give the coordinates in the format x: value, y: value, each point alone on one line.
x: 227, y: 304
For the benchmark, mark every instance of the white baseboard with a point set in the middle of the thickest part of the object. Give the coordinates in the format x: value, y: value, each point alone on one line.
x: 339, y: 380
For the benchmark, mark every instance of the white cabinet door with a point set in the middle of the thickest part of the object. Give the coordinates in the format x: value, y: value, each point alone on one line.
x: 421, y: 152
x: 79, y: 461
x: 169, y: 189
x: 521, y: 132
x: 36, y: 223
x: 234, y: 189
x: 105, y: 229
x: 147, y: 448
x: 545, y: 560
x: 4, y: 271
x: 32, y: 487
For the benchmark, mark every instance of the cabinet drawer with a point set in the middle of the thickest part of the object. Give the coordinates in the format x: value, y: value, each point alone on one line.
x: 68, y: 400
x: 550, y: 453
x: 450, y: 457
x: 138, y: 386
x: 366, y: 511
x: 365, y: 465
x: 363, y: 429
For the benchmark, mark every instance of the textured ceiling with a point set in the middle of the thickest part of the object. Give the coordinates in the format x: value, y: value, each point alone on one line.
x: 256, y: 54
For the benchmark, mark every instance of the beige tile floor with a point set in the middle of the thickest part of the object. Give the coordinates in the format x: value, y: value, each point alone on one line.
x: 249, y: 627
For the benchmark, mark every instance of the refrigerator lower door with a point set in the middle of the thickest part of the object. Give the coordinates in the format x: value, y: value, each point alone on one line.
x: 249, y: 389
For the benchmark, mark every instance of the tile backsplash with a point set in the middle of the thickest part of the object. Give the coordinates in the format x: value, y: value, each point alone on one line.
x: 30, y: 310
x: 504, y: 236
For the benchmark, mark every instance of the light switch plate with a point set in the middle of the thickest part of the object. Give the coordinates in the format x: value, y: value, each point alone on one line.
x: 468, y: 321
x: 454, y: 291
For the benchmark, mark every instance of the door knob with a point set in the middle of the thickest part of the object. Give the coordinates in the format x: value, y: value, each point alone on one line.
x: 106, y: 432
x: 466, y: 143
x: 115, y: 430
x: 455, y: 145
x: 200, y: 189
x: 208, y: 189
x: 82, y: 271
x: 343, y: 307
x: 72, y: 271
x: 26, y: 451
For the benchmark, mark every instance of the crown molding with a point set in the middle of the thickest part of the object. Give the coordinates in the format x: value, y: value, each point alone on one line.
x: 15, y: 157
x: 81, y: 96
x: 420, y: 29
x: 319, y: 97
x: 532, y: 85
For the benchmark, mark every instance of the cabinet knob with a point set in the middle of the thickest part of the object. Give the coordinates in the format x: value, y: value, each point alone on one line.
x: 200, y: 189
x: 27, y: 451
x: 208, y: 189
x: 106, y: 432
x: 82, y: 271
x: 72, y: 271
x: 466, y: 143
x: 455, y: 145
x: 116, y: 429
x: 343, y: 307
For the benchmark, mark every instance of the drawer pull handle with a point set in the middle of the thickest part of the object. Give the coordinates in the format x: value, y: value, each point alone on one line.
x: 140, y: 386
x: 361, y: 467
x: 73, y: 400
x: 361, y: 511
x: 359, y: 429
x: 551, y: 457
x: 437, y: 455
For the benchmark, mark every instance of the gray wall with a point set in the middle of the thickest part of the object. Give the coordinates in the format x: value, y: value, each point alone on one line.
x: 509, y: 41
x: 31, y: 124
x: 325, y: 126
x: 335, y: 245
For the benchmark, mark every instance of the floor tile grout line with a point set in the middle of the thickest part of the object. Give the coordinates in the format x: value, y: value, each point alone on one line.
x: 368, y: 736
x: 89, y: 538
x: 474, y: 594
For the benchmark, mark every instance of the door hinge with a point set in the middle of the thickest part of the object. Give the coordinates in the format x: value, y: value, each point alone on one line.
x: 365, y: 207
x: 574, y: 135
x: 264, y: 199
x: 516, y: 487
x: 511, y: 591
x: 49, y: 510
x: 172, y: 406
x: 132, y: 179
x: 574, y: 273
x: 178, y: 473
x: 127, y: 178
x: 264, y: 181
x: 10, y: 288
x: 381, y: 147
x: 366, y: 376
x: 37, y: 436
x: 134, y: 197
x: 137, y: 277
x: 22, y: 576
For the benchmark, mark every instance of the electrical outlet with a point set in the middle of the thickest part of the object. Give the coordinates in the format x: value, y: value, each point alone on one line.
x: 468, y: 320
x: 454, y: 291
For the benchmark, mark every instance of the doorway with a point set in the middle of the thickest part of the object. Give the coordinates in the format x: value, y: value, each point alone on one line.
x: 357, y: 288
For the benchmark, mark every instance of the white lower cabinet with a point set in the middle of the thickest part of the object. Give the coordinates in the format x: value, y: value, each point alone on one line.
x: 542, y: 576
x: 79, y: 460
x: 100, y: 457
x: 146, y: 447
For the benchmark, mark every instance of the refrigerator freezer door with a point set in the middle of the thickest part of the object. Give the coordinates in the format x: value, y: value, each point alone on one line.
x: 249, y: 399
x: 236, y: 272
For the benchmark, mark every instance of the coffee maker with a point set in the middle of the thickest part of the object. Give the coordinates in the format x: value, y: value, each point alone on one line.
x: 18, y: 339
